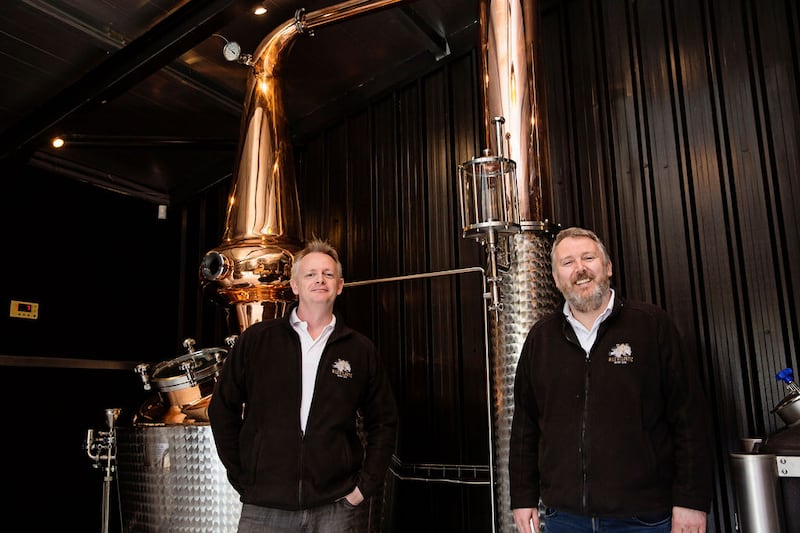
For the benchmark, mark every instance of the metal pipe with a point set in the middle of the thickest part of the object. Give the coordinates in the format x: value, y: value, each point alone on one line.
x: 343, y: 11
x: 405, y: 277
x: 102, y: 449
x: 494, y: 278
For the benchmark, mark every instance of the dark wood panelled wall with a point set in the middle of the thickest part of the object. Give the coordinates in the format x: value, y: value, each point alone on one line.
x: 673, y: 131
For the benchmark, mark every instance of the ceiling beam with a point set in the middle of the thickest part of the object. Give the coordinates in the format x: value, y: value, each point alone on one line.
x: 102, y: 179
x: 437, y: 40
x: 168, y: 39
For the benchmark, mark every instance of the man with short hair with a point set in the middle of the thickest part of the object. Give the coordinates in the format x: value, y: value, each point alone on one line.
x: 293, y: 401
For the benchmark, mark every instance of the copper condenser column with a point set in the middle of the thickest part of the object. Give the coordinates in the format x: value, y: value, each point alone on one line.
x: 525, y: 288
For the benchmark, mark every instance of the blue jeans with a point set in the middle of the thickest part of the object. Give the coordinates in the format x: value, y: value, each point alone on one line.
x: 560, y: 522
x: 337, y: 517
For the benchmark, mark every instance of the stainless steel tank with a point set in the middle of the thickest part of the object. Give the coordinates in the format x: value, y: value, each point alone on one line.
x: 528, y: 293
x: 169, y: 475
x: 171, y: 480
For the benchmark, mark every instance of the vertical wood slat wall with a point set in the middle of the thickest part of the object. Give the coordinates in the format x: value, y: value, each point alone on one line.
x: 673, y: 131
x: 396, y: 216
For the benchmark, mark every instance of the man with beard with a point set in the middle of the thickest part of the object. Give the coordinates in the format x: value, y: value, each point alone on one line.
x: 610, y: 426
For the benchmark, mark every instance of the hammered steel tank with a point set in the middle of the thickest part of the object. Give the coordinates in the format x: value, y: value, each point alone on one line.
x: 170, y: 480
x: 169, y: 474
x: 528, y: 293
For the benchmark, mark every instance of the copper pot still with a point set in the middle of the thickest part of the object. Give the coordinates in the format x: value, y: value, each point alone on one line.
x: 170, y: 476
x: 249, y: 272
x: 510, y: 61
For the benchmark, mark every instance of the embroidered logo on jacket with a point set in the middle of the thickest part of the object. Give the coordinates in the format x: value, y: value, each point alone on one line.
x: 341, y: 369
x: 621, y: 354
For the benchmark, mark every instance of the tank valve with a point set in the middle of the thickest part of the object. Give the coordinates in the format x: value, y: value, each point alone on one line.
x: 189, y: 344
x: 786, y: 376
x: 143, y: 369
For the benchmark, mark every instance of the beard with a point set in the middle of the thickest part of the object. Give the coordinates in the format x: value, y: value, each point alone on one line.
x: 585, y: 303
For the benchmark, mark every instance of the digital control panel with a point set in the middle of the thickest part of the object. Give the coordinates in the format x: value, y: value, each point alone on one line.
x: 24, y: 309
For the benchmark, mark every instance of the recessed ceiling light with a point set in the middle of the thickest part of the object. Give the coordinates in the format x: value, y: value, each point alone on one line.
x: 260, y: 9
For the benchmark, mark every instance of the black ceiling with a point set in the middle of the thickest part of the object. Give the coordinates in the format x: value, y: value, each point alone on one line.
x: 149, y: 105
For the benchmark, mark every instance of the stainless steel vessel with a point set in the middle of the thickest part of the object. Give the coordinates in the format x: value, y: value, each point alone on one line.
x: 766, y: 477
x: 171, y: 480
x: 527, y: 294
x: 170, y: 477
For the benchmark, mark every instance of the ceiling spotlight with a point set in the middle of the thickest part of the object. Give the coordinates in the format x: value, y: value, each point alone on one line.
x: 57, y: 142
x: 260, y: 9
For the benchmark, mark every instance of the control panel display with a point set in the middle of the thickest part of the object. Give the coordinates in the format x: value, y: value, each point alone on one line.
x: 24, y: 309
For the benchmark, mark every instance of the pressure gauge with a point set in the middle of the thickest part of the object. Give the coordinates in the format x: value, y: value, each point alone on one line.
x: 231, y: 51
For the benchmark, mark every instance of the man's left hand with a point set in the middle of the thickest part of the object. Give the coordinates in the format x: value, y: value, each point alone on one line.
x: 355, y: 497
x: 685, y: 520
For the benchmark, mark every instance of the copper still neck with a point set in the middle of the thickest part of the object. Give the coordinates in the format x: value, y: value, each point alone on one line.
x: 250, y: 270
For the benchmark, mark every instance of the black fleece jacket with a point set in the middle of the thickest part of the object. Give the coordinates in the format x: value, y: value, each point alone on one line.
x: 621, y: 432
x: 255, y: 418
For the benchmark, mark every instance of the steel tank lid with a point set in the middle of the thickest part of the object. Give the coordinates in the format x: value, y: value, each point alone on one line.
x: 785, y: 441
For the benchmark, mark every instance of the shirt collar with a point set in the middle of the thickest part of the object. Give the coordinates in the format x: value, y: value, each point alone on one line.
x: 296, y: 322
x: 609, y: 307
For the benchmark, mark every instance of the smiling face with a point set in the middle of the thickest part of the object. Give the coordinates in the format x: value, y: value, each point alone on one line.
x: 316, y: 281
x: 582, y: 273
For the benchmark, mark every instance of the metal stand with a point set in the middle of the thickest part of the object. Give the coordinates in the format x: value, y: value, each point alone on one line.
x: 489, y: 205
x: 102, y: 449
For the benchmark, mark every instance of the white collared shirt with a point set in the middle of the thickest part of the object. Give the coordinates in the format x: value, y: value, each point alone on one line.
x: 311, y: 352
x: 587, y: 336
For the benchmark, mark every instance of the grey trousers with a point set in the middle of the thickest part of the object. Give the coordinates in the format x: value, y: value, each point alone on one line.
x: 337, y: 517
